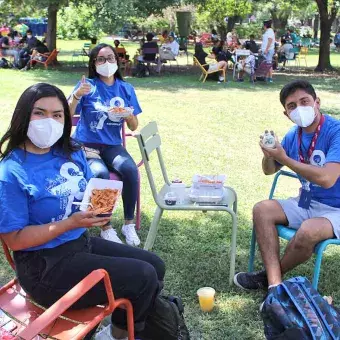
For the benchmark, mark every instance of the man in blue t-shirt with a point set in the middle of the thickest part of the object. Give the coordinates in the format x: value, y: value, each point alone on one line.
x: 312, y: 150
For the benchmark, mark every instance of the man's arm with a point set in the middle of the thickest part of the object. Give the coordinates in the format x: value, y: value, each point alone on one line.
x: 270, y: 166
x: 270, y: 40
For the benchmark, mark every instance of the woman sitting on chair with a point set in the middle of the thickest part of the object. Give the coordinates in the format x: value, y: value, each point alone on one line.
x: 42, y: 173
x: 95, y: 99
x: 200, y: 55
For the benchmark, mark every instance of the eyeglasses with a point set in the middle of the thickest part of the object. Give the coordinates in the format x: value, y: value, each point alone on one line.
x: 102, y: 60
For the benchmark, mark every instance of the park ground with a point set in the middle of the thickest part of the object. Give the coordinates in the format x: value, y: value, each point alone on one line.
x: 206, y: 129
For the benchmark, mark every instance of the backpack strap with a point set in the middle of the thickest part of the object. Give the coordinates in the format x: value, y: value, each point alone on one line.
x: 320, y: 314
x: 283, y: 285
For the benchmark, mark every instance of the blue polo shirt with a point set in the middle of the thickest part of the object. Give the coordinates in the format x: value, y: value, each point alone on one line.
x: 39, y: 189
x: 95, y: 125
x: 327, y: 150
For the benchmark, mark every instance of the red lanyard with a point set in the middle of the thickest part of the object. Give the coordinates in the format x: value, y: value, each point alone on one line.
x: 313, y: 142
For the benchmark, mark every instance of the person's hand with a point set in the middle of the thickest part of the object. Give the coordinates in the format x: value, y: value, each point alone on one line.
x: 84, y: 88
x: 130, y: 116
x: 87, y: 219
x: 278, y: 153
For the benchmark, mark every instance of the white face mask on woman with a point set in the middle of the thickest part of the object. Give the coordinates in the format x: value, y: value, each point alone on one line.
x: 107, y: 69
x: 44, y: 133
x: 303, y: 116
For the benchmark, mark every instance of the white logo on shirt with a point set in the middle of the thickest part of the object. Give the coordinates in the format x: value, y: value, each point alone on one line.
x: 102, y: 113
x: 318, y: 158
x: 67, y: 191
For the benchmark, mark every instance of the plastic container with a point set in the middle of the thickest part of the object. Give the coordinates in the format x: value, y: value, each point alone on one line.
x: 180, y: 191
x: 128, y: 111
x: 268, y: 139
x: 206, y: 195
x: 206, y: 297
x: 170, y: 198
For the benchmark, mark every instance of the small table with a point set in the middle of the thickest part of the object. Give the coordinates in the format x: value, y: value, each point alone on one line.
x: 239, y: 53
x: 228, y: 204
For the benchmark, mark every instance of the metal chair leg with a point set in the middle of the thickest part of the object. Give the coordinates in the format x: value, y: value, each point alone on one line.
x: 150, y: 240
x: 317, y: 266
x: 233, y: 249
x: 252, y: 251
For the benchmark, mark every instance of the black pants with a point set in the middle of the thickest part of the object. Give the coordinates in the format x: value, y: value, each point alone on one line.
x: 46, y: 275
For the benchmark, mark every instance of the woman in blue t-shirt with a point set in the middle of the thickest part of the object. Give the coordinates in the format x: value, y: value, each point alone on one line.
x: 42, y: 173
x: 98, y: 128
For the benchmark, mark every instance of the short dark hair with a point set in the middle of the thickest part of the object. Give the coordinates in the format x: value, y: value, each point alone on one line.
x: 293, y: 86
x: 149, y: 36
x: 28, y: 31
x: 267, y: 23
x: 252, y: 36
x: 92, y: 62
x: 16, y: 134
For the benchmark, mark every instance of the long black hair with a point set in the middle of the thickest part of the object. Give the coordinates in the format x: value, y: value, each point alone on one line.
x: 92, y: 62
x: 16, y: 134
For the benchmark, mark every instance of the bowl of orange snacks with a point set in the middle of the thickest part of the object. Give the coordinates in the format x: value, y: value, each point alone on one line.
x: 103, y: 194
x: 115, y: 113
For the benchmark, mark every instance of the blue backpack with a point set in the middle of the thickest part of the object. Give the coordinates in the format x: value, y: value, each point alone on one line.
x: 296, y: 305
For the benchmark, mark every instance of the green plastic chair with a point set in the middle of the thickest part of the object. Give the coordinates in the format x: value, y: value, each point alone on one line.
x: 149, y: 141
x: 288, y: 233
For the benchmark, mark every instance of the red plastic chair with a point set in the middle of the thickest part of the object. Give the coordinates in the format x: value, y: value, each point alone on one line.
x: 116, y: 177
x: 28, y: 320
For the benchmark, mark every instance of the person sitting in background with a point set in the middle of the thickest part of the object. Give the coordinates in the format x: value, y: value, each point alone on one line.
x: 337, y: 41
x: 246, y: 65
x: 220, y: 53
x: 214, y: 36
x: 7, y: 50
x: 150, y: 57
x: 30, y: 41
x: 285, y: 52
x: 172, y: 45
x: 251, y: 44
x: 200, y: 55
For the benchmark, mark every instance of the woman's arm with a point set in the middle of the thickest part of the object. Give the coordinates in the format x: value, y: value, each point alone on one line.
x: 36, y: 235
x: 132, y: 122
x: 83, y: 89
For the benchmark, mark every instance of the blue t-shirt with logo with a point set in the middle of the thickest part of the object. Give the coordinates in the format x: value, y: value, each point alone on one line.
x: 327, y: 150
x: 95, y: 124
x: 38, y: 189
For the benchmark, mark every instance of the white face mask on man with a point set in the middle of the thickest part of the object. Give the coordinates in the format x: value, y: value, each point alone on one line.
x: 44, y: 133
x: 303, y: 116
x: 107, y: 69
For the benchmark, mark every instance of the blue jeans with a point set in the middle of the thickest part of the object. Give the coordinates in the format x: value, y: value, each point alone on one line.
x: 117, y: 159
x: 11, y: 53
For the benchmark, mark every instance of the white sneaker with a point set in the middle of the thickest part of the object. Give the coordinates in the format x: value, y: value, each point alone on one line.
x: 110, y: 235
x: 221, y: 79
x: 129, y: 232
x: 105, y: 334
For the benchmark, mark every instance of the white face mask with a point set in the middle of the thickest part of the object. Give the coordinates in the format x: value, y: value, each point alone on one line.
x: 44, y: 133
x: 303, y: 116
x: 107, y: 69
x: 29, y: 37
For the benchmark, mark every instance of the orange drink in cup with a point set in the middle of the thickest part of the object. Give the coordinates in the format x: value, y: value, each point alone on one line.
x: 206, y: 297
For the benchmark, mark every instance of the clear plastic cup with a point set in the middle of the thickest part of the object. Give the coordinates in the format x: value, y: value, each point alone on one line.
x: 206, y: 296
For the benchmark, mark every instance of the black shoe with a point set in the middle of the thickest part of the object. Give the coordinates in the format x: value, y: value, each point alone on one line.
x: 251, y: 281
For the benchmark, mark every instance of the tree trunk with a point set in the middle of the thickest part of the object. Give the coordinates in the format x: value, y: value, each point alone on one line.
x: 279, y: 23
x: 326, y: 21
x: 316, y: 25
x: 52, y: 27
x: 222, y: 31
x: 231, y: 23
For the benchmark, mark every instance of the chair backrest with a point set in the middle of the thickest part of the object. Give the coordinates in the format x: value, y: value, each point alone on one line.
x: 121, y: 51
x: 75, y: 120
x: 196, y: 62
x: 304, y: 50
x: 87, y: 45
x: 52, y: 56
x: 7, y: 253
x: 149, y: 140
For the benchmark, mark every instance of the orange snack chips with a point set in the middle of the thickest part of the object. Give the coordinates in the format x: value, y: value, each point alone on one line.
x: 103, y: 200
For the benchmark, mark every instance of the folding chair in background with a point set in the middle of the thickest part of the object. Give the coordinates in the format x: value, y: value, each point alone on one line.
x: 205, y: 72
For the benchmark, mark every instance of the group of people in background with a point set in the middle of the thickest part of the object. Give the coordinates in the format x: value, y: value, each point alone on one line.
x: 22, y: 46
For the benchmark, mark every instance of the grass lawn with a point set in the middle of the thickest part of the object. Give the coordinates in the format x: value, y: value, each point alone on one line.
x: 207, y: 129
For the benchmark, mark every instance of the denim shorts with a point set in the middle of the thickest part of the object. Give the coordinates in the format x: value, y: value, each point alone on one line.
x: 269, y: 56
